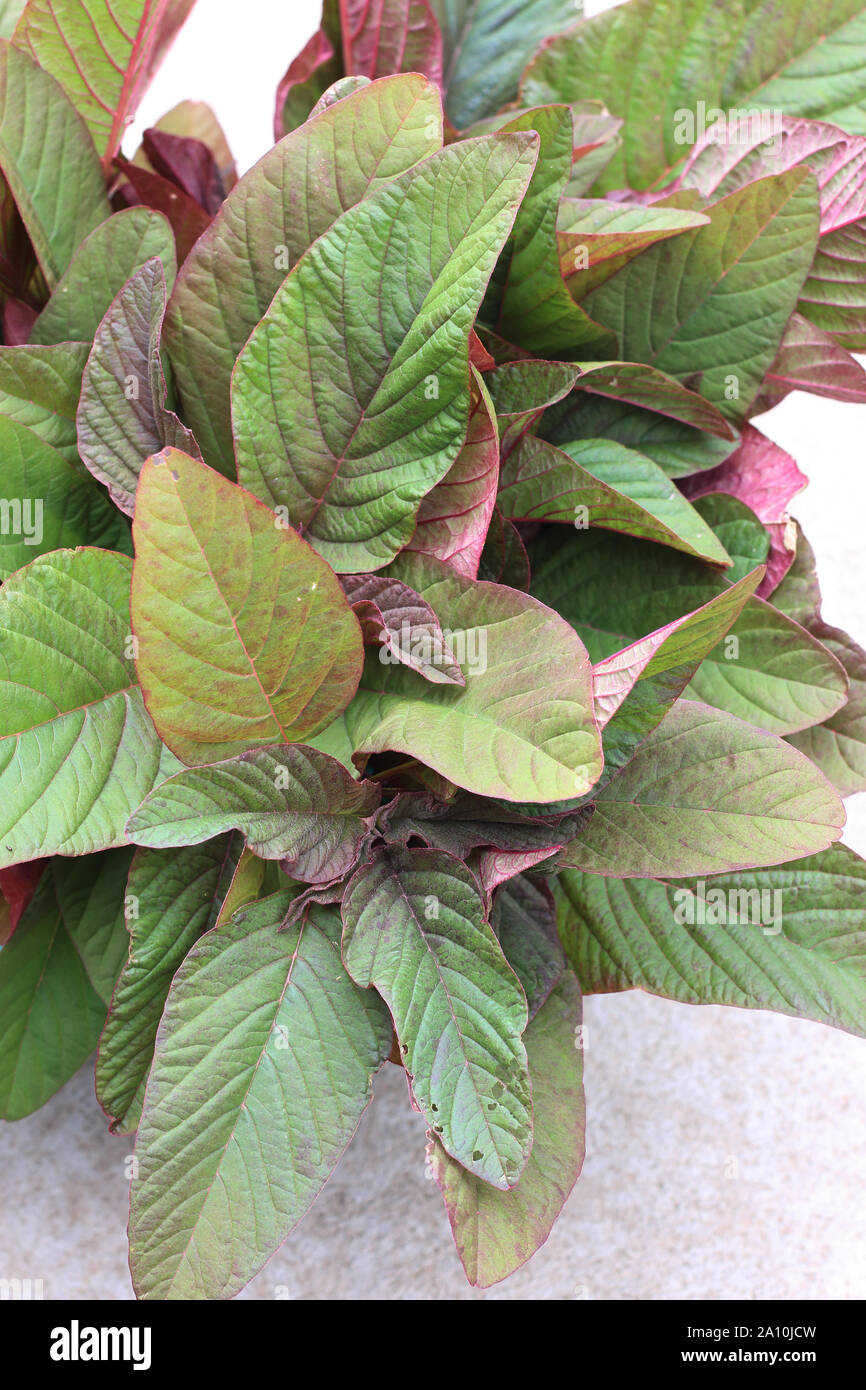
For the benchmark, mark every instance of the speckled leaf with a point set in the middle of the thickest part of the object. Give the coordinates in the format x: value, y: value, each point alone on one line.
x: 351, y: 399
x: 244, y: 634
x: 496, y: 1232
x: 415, y: 926
x: 263, y: 1067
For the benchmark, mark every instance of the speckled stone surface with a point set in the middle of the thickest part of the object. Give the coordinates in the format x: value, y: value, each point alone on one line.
x: 726, y: 1149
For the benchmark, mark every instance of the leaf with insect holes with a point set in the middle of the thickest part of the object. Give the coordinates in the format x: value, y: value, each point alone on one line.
x: 263, y: 1067
x: 123, y: 413
x: 601, y: 483
x: 56, y: 976
x: 705, y: 793
x: 351, y: 399
x: 615, y: 589
x: 173, y: 896
x: 98, y: 271
x: 48, y: 161
x: 496, y: 1232
x: 58, y: 507
x: 78, y: 750
x: 276, y: 211
x: 244, y: 635
x: 788, y: 938
x: 415, y: 926
x: 294, y: 804
x: 523, y: 726
x: 104, y: 53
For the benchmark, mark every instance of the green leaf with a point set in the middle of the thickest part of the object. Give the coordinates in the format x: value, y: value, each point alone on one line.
x: 528, y: 300
x: 120, y: 427
x: 834, y: 295
x: 263, y: 1068
x: 48, y: 504
x: 677, y: 448
x: 49, y: 162
x: 635, y: 688
x: 789, y: 938
x: 276, y: 211
x: 637, y: 384
x: 703, y: 794
x: 294, y: 804
x: 104, y: 53
x: 646, y: 61
x: 99, y: 270
x: 486, y: 44
x: 744, y: 537
x: 710, y: 307
x: 596, y: 237
x: 244, y: 635
x: 10, y: 13
x: 805, y: 60
x: 524, y: 920
x: 351, y: 399
x: 173, y: 896
x: 415, y: 926
x: 600, y: 483
x: 614, y: 589
x: 838, y: 745
x: 496, y: 1232
x: 672, y: 67
x: 56, y: 975
x: 78, y: 750
x: 39, y: 387
x: 522, y: 728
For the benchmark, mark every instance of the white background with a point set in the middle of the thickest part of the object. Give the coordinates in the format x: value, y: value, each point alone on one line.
x: 725, y: 1148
